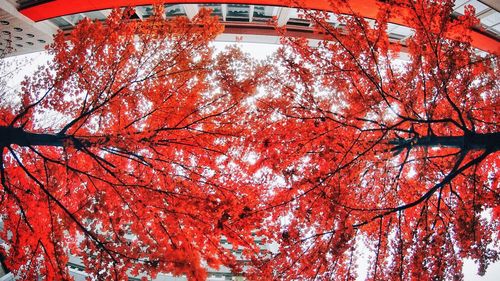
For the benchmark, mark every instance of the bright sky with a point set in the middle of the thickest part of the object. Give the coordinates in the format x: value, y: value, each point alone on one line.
x: 261, y: 51
x: 257, y: 50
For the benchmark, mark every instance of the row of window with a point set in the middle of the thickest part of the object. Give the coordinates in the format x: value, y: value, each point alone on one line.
x: 229, y: 12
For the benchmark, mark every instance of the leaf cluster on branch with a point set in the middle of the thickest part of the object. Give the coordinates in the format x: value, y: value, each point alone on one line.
x: 138, y: 148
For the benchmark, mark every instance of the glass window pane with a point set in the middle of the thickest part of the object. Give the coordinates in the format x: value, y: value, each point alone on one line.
x: 174, y: 10
x: 60, y: 22
x: 237, y: 11
x: 263, y: 13
x: 216, y: 9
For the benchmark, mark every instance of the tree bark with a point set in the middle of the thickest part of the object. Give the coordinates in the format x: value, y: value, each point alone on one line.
x: 488, y: 141
x: 18, y: 136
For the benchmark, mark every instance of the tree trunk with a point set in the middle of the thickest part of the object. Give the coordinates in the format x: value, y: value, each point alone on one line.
x: 488, y: 141
x: 11, y: 135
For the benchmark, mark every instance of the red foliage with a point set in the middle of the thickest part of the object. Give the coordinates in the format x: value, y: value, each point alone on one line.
x: 158, y: 148
x: 400, y: 155
x: 121, y: 154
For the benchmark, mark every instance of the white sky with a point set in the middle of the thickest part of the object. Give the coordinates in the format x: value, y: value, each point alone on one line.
x: 257, y: 50
x: 261, y: 51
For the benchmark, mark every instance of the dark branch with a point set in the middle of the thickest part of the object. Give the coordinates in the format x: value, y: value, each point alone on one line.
x: 488, y: 141
x: 12, y: 135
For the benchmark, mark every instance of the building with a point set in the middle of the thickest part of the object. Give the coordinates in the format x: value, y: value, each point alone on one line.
x: 77, y: 269
x: 28, y: 25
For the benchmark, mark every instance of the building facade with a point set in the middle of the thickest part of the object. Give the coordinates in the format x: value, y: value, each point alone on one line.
x: 28, y: 25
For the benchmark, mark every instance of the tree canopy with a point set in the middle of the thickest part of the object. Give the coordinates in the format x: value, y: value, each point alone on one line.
x: 120, y: 153
x: 399, y: 154
x: 138, y: 147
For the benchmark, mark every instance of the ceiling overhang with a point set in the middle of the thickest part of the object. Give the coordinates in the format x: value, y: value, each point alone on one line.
x: 366, y: 8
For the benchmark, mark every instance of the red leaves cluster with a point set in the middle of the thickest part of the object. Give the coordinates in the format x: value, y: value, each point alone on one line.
x: 162, y: 148
x: 140, y: 176
x: 379, y: 148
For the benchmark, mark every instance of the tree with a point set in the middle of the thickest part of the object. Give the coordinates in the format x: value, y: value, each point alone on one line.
x: 137, y: 149
x: 401, y: 155
x: 120, y: 153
